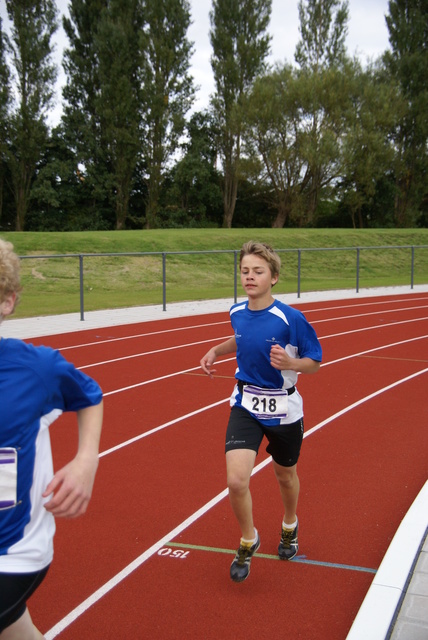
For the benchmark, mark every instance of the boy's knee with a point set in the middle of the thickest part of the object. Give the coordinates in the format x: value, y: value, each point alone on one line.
x: 287, y: 478
x: 237, y: 483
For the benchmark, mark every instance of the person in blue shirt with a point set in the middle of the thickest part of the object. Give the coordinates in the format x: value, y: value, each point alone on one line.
x: 273, y: 344
x: 36, y: 385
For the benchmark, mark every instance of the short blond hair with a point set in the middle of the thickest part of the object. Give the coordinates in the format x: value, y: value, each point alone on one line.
x: 9, y: 271
x: 264, y: 251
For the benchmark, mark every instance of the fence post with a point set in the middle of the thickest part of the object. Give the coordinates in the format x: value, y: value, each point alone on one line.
x: 299, y: 254
x: 235, y: 288
x: 358, y: 270
x: 82, y: 311
x: 164, y: 281
x: 412, y: 268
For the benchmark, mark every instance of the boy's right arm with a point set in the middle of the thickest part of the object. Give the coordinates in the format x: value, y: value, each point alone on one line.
x: 229, y: 346
x: 71, y: 487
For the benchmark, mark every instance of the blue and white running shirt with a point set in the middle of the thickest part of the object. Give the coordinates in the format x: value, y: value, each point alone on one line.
x: 36, y: 385
x: 255, y: 333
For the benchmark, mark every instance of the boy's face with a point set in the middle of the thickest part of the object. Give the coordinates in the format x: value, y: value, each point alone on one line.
x: 256, y: 277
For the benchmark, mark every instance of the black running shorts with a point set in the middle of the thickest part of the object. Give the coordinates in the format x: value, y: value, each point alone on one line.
x: 244, y: 431
x: 15, y: 589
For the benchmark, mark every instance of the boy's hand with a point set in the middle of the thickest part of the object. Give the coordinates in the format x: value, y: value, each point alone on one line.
x: 207, y: 361
x: 71, y: 487
x: 280, y: 359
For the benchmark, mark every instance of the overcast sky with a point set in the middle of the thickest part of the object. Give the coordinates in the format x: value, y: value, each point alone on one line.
x: 367, y: 37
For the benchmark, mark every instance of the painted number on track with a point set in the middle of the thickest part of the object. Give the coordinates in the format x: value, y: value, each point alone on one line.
x: 176, y: 553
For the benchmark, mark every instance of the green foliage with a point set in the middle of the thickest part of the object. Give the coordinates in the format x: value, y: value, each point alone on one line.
x: 407, y: 63
x: 323, y: 30
x: 167, y: 91
x: 372, y: 110
x: 5, y: 95
x: 101, y: 115
x: 30, y: 48
x: 5, y: 98
x: 324, y: 143
x: 192, y: 195
x: 117, y: 104
x: 240, y: 45
x: 293, y: 137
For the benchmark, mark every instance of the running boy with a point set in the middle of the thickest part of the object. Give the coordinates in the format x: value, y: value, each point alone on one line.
x: 36, y: 385
x: 273, y: 343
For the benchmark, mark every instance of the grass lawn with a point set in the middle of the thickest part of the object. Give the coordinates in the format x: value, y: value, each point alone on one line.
x: 52, y: 285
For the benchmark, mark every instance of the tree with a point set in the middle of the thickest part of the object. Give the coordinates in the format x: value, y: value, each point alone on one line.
x: 127, y: 93
x: 240, y: 46
x: 30, y: 47
x: 82, y: 125
x: 286, y: 153
x: 61, y: 196
x: 117, y: 105
x: 367, y: 151
x: 407, y: 61
x: 275, y: 142
x: 323, y: 30
x: 5, y: 98
x: 194, y: 194
x: 321, y: 48
x: 167, y: 90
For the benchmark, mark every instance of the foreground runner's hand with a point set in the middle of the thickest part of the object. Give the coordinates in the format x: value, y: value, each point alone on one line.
x: 71, y: 487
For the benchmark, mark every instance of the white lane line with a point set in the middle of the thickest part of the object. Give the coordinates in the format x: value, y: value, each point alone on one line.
x: 378, y: 326
x: 365, y: 315
x: 143, y: 335
x: 155, y: 351
x: 218, y: 362
x: 191, y: 344
x: 357, y: 305
x: 135, y: 564
x: 160, y: 427
x: 213, y: 324
x: 362, y: 353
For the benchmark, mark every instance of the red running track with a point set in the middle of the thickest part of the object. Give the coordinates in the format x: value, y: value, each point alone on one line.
x: 151, y: 557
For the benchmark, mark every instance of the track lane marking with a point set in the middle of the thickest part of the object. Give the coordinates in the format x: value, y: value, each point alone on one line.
x: 191, y: 344
x: 142, y: 335
x: 213, y: 324
x: 154, y: 352
x: 377, y: 326
x: 268, y: 556
x: 135, y: 564
x: 160, y: 427
x: 218, y: 362
x: 367, y: 351
x: 365, y: 315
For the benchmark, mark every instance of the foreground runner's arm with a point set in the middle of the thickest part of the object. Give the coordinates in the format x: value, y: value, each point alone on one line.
x: 72, y: 485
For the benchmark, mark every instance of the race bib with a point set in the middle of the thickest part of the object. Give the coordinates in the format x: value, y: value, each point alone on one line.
x: 265, y: 403
x: 8, y: 477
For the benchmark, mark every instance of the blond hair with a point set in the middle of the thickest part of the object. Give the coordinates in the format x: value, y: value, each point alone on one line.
x: 264, y: 251
x: 9, y: 271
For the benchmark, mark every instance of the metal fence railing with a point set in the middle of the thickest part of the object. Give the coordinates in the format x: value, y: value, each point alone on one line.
x: 163, y: 256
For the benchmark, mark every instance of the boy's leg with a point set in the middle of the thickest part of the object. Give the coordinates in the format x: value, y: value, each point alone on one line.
x: 22, y: 629
x: 239, y: 465
x: 289, y: 486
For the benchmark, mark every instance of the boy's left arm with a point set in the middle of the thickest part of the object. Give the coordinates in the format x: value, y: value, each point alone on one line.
x: 280, y: 360
x: 72, y: 485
